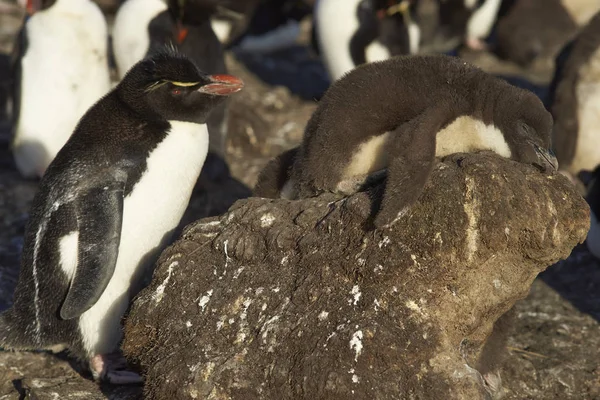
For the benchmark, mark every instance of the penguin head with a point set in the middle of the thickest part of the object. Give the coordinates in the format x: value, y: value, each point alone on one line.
x: 530, y: 126
x: 168, y: 86
x: 193, y: 11
x: 33, y: 6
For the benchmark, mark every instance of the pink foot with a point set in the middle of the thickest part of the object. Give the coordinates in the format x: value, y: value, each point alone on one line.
x: 493, y: 381
x: 475, y: 44
x: 112, y: 368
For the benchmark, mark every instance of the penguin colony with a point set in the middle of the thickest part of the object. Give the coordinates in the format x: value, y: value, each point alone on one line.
x: 92, y: 235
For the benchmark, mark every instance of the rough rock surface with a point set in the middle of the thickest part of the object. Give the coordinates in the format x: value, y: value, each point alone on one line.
x: 280, y: 299
x: 55, y: 379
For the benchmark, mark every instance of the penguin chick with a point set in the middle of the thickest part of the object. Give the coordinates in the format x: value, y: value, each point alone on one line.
x: 576, y: 102
x: 105, y: 208
x: 60, y: 70
x: 400, y: 114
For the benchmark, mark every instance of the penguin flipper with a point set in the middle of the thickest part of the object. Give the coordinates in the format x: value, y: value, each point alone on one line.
x: 99, y: 217
x: 412, y: 154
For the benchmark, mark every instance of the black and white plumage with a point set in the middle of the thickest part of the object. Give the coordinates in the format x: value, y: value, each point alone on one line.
x: 399, y: 115
x: 107, y: 205
x: 472, y: 20
x: 142, y: 26
x: 352, y: 32
x: 576, y: 102
x: 593, y: 198
x: 60, y: 70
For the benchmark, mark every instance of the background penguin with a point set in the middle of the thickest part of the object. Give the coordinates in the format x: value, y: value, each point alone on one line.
x: 147, y: 25
x: 232, y: 19
x: 534, y: 31
x: 61, y: 69
x: 472, y: 20
x: 366, y: 122
x: 130, y: 35
x: 107, y: 206
x: 350, y: 32
x: 593, y: 198
x: 576, y: 102
x: 274, y: 26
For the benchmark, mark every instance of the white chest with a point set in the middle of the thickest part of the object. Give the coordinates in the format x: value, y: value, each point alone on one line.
x: 336, y: 23
x: 130, y: 32
x: 151, y: 210
x: 158, y: 201
x: 64, y: 72
x: 222, y: 29
x: 376, y: 52
x: 65, y: 67
x: 481, y: 22
x: 466, y: 134
x: 587, y: 153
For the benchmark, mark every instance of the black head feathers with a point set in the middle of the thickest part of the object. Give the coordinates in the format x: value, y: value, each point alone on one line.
x: 168, y: 86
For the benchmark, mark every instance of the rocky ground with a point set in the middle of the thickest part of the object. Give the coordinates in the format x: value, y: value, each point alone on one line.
x: 553, y: 351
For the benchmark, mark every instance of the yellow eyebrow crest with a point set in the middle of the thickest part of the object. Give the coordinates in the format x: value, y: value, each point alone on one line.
x: 184, y: 84
x: 155, y: 86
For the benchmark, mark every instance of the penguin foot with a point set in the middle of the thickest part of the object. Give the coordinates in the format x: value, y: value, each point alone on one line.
x: 475, y: 44
x: 111, y: 368
x: 492, y: 381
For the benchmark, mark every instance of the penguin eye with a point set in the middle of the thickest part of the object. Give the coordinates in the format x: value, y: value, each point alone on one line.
x: 176, y: 91
x: 526, y: 129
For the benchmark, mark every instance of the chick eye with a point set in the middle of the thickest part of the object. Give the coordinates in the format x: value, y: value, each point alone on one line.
x: 526, y: 129
x: 176, y: 91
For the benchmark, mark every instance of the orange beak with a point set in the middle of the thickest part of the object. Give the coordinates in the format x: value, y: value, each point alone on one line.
x: 32, y: 6
x: 222, y: 85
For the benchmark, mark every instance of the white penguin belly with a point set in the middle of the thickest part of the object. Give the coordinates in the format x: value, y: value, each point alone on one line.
x: 153, y: 208
x: 376, y: 52
x: 480, y: 24
x: 587, y: 150
x: 222, y: 28
x: 414, y: 37
x: 336, y: 23
x: 593, y: 236
x: 64, y: 72
x: 131, y: 39
x: 464, y: 134
x: 467, y: 134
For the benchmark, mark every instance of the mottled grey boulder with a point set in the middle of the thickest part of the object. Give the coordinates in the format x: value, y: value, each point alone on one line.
x: 285, y: 299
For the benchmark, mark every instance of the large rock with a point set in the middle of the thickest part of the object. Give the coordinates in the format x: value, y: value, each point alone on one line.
x: 293, y: 299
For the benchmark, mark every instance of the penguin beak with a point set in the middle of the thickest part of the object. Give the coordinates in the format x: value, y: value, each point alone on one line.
x: 31, y: 6
x: 222, y: 85
x: 546, y: 159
